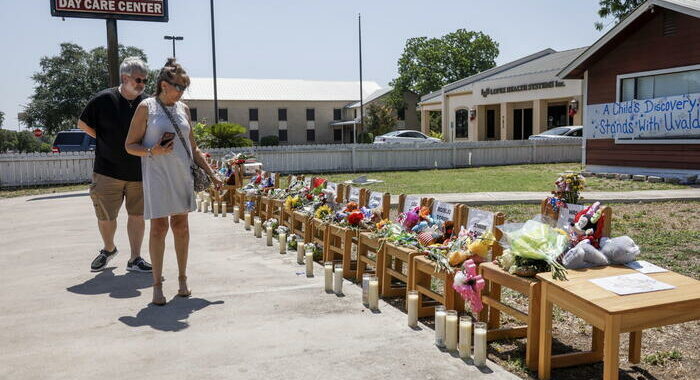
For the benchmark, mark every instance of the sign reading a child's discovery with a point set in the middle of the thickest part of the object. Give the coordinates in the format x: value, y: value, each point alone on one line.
x: 672, y: 116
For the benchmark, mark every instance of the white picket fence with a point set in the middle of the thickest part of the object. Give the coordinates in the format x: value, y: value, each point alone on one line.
x: 76, y: 167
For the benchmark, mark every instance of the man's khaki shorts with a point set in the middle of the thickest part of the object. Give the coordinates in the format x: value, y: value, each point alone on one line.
x: 108, y: 193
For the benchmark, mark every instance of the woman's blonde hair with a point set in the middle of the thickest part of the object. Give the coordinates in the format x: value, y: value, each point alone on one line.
x: 169, y: 72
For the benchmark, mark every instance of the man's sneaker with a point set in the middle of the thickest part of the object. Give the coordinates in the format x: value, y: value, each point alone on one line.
x: 102, y: 259
x: 138, y: 265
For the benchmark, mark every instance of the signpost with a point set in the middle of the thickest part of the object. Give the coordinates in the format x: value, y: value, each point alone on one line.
x: 112, y: 10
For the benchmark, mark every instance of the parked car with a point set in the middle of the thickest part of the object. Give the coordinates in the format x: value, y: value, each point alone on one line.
x: 404, y: 137
x: 560, y: 132
x: 73, y: 140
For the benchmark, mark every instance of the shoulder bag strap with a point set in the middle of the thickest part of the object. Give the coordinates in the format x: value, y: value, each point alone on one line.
x: 177, y: 129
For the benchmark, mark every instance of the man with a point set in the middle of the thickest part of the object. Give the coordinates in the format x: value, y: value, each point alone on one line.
x: 116, y: 175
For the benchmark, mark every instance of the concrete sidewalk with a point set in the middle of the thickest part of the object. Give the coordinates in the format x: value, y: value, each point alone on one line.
x: 507, y: 197
x: 253, y: 313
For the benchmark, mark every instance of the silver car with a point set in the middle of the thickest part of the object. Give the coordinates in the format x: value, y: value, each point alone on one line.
x: 404, y: 137
x: 559, y: 132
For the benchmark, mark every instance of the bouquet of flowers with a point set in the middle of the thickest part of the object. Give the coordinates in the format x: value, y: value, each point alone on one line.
x: 280, y: 230
x: 567, y: 189
x: 292, y: 202
x: 272, y: 223
x: 292, y: 241
x: 533, y: 247
x: 316, y: 249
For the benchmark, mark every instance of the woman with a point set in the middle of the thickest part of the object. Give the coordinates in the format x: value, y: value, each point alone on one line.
x: 167, y: 177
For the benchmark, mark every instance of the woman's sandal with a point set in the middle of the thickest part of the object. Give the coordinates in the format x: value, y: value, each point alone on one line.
x: 183, y: 291
x: 158, y: 297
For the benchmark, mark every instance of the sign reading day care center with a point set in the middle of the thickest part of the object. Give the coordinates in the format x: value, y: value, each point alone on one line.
x: 142, y: 10
x: 671, y: 116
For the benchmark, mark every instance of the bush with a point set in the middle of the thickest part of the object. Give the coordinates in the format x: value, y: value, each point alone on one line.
x: 437, y: 135
x: 221, y: 135
x: 365, y: 138
x: 27, y: 142
x: 45, y: 148
x: 271, y: 140
x: 8, y: 140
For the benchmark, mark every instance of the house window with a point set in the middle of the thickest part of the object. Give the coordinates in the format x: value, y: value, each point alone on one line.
x: 282, y: 114
x: 253, y: 114
x: 337, y: 114
x: 310, y: 135
x: 310, y: 114
x: 659, y: 85
x: 462, y: 124
x: 254, y: 135
x: 490, y: 124
x: 283, y: 135
x: 401, y: 113
x: 338, y: 134
x: 193, y: 114
x: 223, y: 114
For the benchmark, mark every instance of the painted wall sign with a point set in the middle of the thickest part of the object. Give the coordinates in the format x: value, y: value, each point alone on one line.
x: 671, y: 116
x: 141, y: 10
x: 523, y: 87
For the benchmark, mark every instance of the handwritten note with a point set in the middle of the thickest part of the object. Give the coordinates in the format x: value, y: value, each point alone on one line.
x: 631, y: 284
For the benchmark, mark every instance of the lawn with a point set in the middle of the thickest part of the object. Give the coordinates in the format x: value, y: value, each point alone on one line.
x: 538, y: 177
x: 38, y: 190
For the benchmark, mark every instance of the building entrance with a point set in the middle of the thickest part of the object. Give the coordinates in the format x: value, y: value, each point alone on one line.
x: 522, y: 123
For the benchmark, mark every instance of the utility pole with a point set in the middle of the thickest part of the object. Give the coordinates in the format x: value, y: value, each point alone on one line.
x: 213, y: 55
x: 173, y: 38
x: 359, y: 30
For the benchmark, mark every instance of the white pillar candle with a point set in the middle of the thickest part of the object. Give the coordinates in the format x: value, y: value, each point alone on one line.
x: 236, y: 211
x: 451, y: 330
x: 199, y: 204
x: 268, y: 234
x: 309, y: 264
x: 223, y: 209
x: 246, y: 219
x: 373, y: 296
x: 283, y: 243
x: 440, y: 316
x: 365, y: 288
x: 338, y: 279
x: 479, y: 344
x: 205, y: 206
x: 412, y: 307
x: 465, y: 337
x: 328, y: 276
x: 258, y: 227
x: 215, y: 207
x: 300, y: 252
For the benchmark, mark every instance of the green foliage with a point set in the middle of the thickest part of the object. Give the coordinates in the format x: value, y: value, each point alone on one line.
x: 437, y: 135
x: 2, y: 118
x: 8, y: 140
x: 662, y: 357
x: 27, y: 142
x: 380, y: 119
x: 435, y: 121
x: 221, y: 135
x: 271, y: 140
x: 365, y: 138
x: 618, y: 9
x: 427, y: 64
x: 66, y: 82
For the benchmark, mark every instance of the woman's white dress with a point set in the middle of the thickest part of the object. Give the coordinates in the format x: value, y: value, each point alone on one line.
x: 167, y: 179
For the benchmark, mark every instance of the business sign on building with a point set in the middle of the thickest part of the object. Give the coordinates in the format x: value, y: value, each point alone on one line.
x: 671, y: 116
x: 137, y: 10
x: 522, y: 87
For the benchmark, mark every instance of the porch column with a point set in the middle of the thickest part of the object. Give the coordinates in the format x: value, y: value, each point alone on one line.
x: 539, y: 116
x: 506, y: 121
x: 425, y: 121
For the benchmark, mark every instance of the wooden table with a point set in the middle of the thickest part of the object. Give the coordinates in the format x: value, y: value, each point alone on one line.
x: 612, y: 314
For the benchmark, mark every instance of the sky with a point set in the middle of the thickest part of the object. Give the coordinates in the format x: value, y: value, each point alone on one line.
x: 282, y: 39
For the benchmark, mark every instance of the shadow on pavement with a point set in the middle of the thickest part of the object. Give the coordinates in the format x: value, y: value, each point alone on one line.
x: 127, y: 285
x: 58, y: 197
x: 170, y: 317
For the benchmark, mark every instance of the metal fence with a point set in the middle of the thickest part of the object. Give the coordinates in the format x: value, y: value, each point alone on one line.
x: 76, y: 167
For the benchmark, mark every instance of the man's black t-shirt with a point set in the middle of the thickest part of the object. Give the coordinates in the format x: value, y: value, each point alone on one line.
x: 109, y: 113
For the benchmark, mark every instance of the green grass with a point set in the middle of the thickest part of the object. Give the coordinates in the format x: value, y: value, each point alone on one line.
x: 538, y: 177
x: 668, y: 233
x: 662, y: 357
x: 38, y: 190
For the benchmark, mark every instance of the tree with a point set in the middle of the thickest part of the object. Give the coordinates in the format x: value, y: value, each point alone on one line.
x: 380, y: 119
x: 223, y: 135
x: 427, y: 64
x: 618, y: 9
x: 8, y: 140
x: 66, y: 82
x: 2, y: 118
x: 27, y: 142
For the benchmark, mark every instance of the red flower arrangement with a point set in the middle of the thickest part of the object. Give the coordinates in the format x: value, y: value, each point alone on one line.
x: 355, y: 217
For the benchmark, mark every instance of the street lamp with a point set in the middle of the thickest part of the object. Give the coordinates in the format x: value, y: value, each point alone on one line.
x: 173, y: 38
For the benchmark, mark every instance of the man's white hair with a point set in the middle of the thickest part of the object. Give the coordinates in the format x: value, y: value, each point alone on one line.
x: 133, y: 64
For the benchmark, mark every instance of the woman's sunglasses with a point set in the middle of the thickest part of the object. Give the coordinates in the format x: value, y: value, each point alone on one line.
x: 178, y: 87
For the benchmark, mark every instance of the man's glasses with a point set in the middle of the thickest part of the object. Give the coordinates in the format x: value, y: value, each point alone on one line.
x: 139, y: 80
x: 178, y: 87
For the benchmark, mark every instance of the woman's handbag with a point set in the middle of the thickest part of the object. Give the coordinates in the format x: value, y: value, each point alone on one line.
x: 201, y: 179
